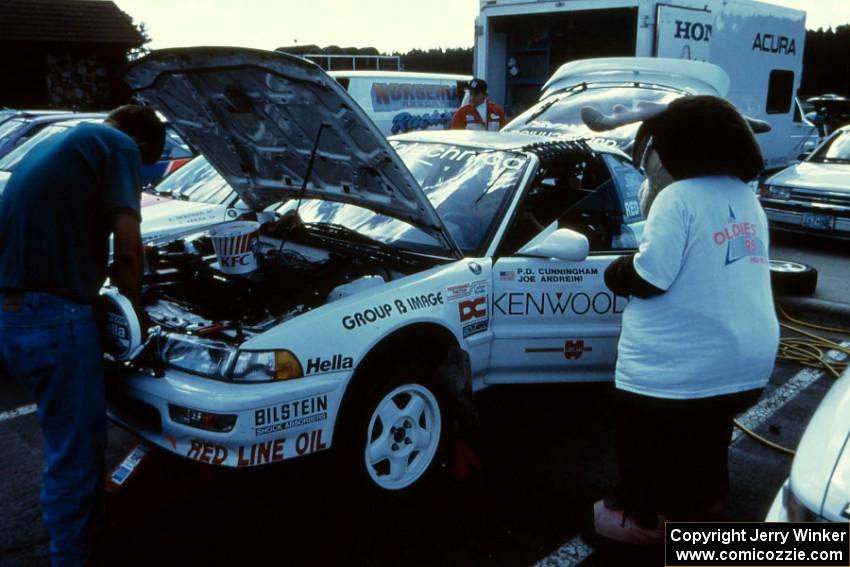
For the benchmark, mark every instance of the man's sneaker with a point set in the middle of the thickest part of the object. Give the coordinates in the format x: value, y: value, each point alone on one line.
x: 619, y: 526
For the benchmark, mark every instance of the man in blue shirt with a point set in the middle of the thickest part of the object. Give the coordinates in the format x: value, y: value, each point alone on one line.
x: 64, y: 200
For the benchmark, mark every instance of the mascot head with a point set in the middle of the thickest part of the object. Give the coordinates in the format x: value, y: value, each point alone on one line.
x: 691, y: 136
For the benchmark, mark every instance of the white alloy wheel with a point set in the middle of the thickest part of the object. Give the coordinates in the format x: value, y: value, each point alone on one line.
x: 787, y: 266
x: 403, y: 436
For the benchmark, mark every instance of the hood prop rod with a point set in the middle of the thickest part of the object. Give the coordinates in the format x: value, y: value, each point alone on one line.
x: 310, y: 164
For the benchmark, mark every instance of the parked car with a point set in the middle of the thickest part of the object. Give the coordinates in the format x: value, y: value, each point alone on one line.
x: 813, y: 196
x: 192, y: 199
x: 387, y: 264
x: 175, y: 154
x: 818, y: 489
x: 23, y: 125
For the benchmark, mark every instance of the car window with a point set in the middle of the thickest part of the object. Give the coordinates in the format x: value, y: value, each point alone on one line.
x: 559, y: 115
x: 11, y: 160
x: 834, y: 150
x: 594, y: 196
x: 197, y: 181
x: 468, y: 187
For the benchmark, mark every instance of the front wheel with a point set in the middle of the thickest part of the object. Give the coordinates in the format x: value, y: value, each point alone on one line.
x: 395, y: 430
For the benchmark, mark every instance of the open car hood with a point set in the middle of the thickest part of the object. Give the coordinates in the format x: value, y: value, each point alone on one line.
x: 256, y: 116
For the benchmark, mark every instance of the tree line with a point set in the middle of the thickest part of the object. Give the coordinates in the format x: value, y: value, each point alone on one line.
x: 826, y: 66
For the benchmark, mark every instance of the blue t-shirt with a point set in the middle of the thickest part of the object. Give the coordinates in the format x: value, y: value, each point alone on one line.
x: 54, y: 230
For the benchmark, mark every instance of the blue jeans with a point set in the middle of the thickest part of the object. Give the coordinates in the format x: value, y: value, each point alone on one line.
x: 52, y: 347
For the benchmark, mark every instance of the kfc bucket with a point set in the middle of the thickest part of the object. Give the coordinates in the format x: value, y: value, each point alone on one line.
x: 234, y: 244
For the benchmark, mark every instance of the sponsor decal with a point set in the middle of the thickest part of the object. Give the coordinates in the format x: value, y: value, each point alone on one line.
x: 741, y: 241
x: 336, y: 362
x: 406, y: 122
x: 206, y: 452
x: 770, y: 43
x: 398, y: 96
x: 476, y: 327
x: 459, y: 291
x: 692, y: 31
x: 261, y: 453
x: 369, y: 315
x: 387, y: 310
x: 309, y: 442
x: 473, y: 316
x: 572, y: 349
x: 288, y: 415
x: 558, y: 303
x: 472, y: 309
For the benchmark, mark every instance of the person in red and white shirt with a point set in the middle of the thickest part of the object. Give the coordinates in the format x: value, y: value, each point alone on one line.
x: 481, y: 113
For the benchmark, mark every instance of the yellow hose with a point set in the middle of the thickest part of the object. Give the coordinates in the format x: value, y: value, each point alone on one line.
x: 806, y: 352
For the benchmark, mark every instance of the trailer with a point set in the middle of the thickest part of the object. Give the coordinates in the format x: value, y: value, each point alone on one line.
x: 520, y: 44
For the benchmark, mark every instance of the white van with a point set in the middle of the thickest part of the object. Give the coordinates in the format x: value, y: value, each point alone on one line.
x: 401, y: 102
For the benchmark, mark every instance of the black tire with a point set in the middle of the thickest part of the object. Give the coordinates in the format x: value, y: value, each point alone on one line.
x: 792, y: 278
x: 363, y: 424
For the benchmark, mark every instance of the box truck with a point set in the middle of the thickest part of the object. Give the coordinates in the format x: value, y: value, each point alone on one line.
x: 521, y: 44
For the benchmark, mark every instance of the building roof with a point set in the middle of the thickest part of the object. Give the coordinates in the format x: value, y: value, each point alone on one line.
x: 67, y: 21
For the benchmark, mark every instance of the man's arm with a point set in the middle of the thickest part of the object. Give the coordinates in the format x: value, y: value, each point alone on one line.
x: 128, y: 259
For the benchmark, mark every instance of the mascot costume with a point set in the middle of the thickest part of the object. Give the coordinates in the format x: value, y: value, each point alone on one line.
x: 699, y: 334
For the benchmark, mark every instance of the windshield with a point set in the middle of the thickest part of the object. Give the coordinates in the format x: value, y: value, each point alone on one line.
x: 835, y: 150
x: 469, y: 188
x: 197, y: 181
x: 11, y: 160
x: 9, y: 127
x: 559, y: 115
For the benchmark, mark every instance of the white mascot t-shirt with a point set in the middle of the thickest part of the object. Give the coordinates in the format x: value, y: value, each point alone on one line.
x: 714, y: 331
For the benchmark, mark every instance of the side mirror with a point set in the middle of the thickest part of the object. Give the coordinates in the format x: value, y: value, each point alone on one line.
x: 563, y: 244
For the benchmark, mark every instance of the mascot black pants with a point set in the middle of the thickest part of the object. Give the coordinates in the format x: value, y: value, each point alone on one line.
x: 673, y: 454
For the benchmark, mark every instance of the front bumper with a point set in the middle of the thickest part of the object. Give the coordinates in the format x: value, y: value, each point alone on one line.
x: 274, y: 421
x: 792, y: 216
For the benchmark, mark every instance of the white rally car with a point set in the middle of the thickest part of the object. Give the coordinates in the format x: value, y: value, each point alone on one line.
x: 818, y: 489
x: 418, y: 270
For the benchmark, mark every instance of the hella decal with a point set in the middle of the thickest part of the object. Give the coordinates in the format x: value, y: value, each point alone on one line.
x: 336, y: 362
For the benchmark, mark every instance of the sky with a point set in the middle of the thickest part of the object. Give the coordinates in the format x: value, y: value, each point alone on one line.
x: 389, y: 25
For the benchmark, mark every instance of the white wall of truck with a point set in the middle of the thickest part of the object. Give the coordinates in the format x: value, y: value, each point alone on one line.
x: 759, y: 45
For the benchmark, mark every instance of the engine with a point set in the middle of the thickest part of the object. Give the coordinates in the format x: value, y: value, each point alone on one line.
x: 184, y: 291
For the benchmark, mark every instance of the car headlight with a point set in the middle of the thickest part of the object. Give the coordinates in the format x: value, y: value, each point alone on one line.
x: 198, y: 356
x: 266, y: 366
x: 797, y: 511
x: 776, y: 192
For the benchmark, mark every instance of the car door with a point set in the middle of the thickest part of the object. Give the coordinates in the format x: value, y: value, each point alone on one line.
x: 555, y: 320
